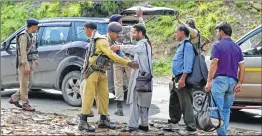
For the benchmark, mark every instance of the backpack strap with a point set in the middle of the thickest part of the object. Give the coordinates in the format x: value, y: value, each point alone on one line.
x: 195, y: 51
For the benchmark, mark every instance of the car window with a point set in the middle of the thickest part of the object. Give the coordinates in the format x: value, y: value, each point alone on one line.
x: 252, y: 46
x: 54, y: 36
x: 12, y: 46
x: 80, y: 34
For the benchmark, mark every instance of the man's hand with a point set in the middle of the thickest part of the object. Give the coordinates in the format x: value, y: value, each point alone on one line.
x: 115, y: 47
x: 177, y: 16
x: 36, y: 63
x: 238, y: 88
x: 27, y: 69
x: 133, y: 64
x: 139, y: 12
x: 178, y: 19
x: 181, y: 83
x: 208, y: 87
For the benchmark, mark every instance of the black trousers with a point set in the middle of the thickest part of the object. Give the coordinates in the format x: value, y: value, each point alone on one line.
x: 181, y: 102
x: 186, y: 104
x: 175, y: 112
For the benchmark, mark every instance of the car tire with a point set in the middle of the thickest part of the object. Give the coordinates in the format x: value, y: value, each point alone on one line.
x: 71, y: 88
x: 198, y: 99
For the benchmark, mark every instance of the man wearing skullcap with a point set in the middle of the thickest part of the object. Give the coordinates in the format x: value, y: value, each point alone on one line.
x: 97, y: 62
x: 119, y: 70
x: 27, y: 60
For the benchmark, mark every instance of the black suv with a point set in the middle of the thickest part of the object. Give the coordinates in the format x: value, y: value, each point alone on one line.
x: 61, y: 46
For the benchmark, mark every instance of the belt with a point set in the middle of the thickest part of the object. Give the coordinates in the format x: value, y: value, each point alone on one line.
x: 98, y: 70
x: 225, y: 76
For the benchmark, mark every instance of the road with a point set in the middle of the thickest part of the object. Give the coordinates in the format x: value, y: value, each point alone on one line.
x: 51, y: 101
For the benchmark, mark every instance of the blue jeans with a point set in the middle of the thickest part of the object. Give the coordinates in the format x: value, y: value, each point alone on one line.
x: 223, y: 93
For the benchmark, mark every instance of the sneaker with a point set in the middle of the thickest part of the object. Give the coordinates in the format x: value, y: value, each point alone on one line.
x: 129, y: 129
x: 172, y: 127
x: 186, y: 132
x: 27, y: 107
x: 16, y: 103
x: 83, y: 125
x: 144, y: 128
x: 106, y: 123
x: 119, y: 112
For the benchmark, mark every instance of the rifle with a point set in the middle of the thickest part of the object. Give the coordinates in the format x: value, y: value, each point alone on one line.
x: 90, y: 50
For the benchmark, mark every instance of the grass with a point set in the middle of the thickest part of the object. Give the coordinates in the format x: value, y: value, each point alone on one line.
x: 162, y: 67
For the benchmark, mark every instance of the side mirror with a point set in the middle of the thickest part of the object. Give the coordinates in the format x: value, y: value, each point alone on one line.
x: 3, y: 46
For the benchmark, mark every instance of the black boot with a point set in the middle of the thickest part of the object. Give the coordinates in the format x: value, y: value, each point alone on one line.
x: 83, y: 125
x: 104, y: 122
x: 119, y: 111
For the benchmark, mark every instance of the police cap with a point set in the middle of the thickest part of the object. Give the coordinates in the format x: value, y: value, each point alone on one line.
x: 115, y: 18
x: 115, y: 27
x: 31, y: 22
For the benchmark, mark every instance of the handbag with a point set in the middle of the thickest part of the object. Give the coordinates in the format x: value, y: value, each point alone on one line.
x: 198, y: 76
x: 204, y: 121
x: 144, y: 79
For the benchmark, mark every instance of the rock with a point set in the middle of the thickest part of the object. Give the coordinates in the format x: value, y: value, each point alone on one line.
x: 257, y: 5
x: 161, y: 133
x: 25, y: 117
x: 113, y: 132
x: 12, y: 120
x: 69, y: 132
x: 16, y: 111
x: 253, y: 10
x: 72, y: 121
x: 21, y: 131
x: 5, y: 131
x: 41, y: 119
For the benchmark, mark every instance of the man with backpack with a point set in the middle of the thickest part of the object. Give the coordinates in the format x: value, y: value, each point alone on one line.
x: 27, y: 60
x: 181, y: 67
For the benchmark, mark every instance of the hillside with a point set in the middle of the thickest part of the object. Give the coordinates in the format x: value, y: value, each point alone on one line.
x: 242, y: 15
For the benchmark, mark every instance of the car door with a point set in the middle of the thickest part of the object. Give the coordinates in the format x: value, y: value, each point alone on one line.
x: 8, y: 65
x: 251, y: 46
x: 53, y: 43
x: 9, y: 75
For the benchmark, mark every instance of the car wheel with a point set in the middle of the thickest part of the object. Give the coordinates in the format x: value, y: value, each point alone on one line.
x: 198, y: 99
x: 71, y: 88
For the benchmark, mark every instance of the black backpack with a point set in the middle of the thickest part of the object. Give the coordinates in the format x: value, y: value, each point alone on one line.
x: 198, y: 76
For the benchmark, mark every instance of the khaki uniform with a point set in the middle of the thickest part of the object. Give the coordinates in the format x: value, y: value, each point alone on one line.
x: 119, y: 69
x: 97, y: 83
x: 26, y: 46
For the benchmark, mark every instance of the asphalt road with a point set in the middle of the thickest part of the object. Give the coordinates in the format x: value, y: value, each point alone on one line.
x: 51, y: 101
